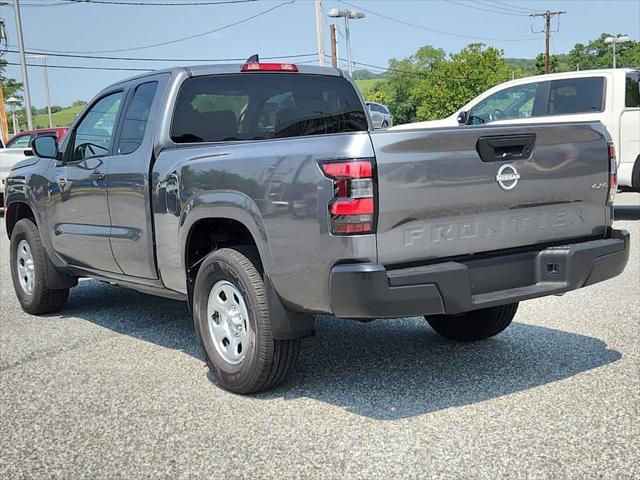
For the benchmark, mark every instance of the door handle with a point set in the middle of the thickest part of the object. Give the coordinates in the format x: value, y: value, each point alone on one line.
x: 506, y: 147
x: 96, y: 176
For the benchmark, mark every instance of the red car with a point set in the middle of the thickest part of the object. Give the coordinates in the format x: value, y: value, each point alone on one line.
x: 23, y: 139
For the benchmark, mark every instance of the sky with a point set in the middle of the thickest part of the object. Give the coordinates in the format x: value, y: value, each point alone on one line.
x: 288, y: 29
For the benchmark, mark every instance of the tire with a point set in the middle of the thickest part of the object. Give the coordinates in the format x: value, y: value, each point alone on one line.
x: 34, y: 295
x: 475, y: 325
x: 251, y: 360
x: 385, y: 124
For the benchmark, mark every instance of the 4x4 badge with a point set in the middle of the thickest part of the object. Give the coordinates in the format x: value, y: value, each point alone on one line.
x: 507, y: 177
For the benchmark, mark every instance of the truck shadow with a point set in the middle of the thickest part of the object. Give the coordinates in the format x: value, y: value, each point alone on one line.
x: 383, y: 370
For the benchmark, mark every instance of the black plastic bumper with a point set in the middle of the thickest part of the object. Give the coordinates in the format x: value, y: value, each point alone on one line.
x: 372, y: 291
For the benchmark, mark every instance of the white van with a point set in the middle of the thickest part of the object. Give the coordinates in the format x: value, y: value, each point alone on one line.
x: 611, y: 96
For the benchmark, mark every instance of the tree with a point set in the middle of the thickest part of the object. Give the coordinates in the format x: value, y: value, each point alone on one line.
x: 450, y: 84
x: 557, y: 63
x: 598, y: 54
x: 397, y: 92
x: 10, y: 88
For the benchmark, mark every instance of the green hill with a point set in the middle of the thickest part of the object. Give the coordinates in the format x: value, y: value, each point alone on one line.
x: 365, y: 86
x: 63, y: 118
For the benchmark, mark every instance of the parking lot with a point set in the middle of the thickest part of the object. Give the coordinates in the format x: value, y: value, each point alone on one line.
x: 115, y: 387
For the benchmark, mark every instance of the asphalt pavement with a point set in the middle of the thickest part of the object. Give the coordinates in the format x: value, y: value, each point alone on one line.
x: 115, y: 387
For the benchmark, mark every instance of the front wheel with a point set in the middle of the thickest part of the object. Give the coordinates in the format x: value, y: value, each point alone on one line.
x: 28, y: 271
x: 475, y: 325
x: 231, y: 319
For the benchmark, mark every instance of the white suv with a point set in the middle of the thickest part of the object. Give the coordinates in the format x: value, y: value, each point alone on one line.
x: 380, y: 115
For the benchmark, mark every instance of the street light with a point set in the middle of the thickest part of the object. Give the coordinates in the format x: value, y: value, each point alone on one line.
x: 614, y: 41
x: 13, y: 102
x: 347, y: 14
x: 46, y: 84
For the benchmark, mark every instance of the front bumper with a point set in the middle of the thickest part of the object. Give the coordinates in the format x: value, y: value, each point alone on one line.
x: 371, y: 291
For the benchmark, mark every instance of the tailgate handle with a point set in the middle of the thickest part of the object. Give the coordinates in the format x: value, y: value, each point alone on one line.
x: 506, y: 147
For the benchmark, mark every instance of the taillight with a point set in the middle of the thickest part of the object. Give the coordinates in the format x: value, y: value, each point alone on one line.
x: 613, y: 174
x: 269, y: 67
x: 352, y: 208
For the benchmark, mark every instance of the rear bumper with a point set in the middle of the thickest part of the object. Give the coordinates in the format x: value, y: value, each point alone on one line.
x: 372, y: 291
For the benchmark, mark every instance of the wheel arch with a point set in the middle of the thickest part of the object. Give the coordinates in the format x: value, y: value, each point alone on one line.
x: 217, y: 220
x: 16, y: 211
x: 232, y: 219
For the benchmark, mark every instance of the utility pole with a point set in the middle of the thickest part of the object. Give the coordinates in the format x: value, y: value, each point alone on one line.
x: 319, y: 34
x: 3, y: 113
x: 3, y: 118
x: 334, y: 46
x: 547, y: 29
x: 23, y: 65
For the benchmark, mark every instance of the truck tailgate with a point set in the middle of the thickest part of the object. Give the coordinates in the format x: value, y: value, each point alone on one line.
x: 439, y: 197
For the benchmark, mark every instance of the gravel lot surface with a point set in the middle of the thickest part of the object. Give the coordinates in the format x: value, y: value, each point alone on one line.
x: 114, y: 387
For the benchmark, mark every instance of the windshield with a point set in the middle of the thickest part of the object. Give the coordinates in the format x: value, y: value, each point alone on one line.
x: 256, y: 106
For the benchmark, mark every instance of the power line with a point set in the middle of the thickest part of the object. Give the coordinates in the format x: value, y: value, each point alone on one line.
x: 114, y: 69
x: 512, y: 7
x: 177, y: 40
x: 158, y: 4
x: 153, y: 59
x: 492, y: 10
x: 441, y: 32
x: 58, y: 4
x: 79, y: 67
x: 427, y: 73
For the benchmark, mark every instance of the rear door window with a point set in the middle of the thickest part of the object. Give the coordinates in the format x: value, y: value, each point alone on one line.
x: 256, y: 106
x: 576, y: 95
x: 135, y: 118
x: 632, y: 90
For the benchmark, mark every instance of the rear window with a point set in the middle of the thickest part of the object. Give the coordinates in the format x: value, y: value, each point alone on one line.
x: 576, y: 95
x: 632, y: 93
x: 257, y: 106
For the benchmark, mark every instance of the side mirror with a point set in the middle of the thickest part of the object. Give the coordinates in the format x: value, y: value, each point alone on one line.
x: 45, y: 146
x: 463, y: 117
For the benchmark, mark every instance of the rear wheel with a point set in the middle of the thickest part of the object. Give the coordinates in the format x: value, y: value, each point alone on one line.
x: 385, y: 124
x: 28, y: 271
x: 231, y: 318
x: 475, y: 325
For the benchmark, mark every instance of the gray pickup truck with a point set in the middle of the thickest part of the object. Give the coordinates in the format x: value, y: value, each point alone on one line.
x: 261, y: 195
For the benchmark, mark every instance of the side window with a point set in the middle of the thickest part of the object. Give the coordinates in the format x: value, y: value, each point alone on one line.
x: 632, y: 95
x: 20, y: 142
x: 576, y: 95
x: 135, y: 118
x: 94, y: 134
x: 512, y: 102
